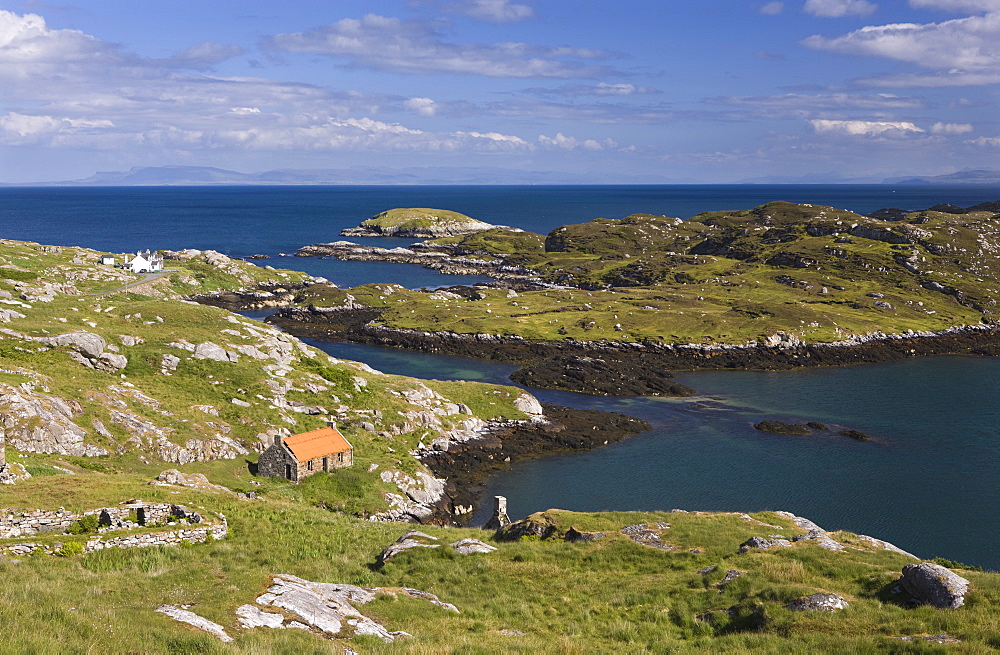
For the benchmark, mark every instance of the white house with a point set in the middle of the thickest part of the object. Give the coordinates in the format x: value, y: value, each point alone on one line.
x: 145, y: 262
x: 108, y: 260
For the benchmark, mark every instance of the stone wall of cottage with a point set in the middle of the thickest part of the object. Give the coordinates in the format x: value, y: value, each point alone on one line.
x: 272, y: 461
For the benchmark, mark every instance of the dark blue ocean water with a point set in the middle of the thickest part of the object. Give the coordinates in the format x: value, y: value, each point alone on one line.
x: 927, y: 483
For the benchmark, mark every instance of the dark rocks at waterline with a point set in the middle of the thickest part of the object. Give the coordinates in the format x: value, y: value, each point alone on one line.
x: 601, y: 376
x: 855, y: 434
x: 779, y: 427
x: 815, y: 425
x: 935, y: 585
x: 643, y: 368
x: 466, y: 465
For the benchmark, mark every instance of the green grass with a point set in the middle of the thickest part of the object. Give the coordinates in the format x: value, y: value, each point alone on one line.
x: 579, y: 598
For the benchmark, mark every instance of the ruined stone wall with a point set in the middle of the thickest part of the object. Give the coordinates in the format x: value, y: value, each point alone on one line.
x: 144, y: 540
x: 37, y: 521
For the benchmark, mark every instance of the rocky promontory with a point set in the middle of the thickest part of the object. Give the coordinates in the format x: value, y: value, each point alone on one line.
x: 417, y: 223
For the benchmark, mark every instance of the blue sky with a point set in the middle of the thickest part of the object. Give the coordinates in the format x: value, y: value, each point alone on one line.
x: 710, y: 91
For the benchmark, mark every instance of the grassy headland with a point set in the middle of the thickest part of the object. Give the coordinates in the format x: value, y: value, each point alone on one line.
x: 162, y: 407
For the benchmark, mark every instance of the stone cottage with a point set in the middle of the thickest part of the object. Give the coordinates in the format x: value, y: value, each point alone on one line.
x: 304, y: 454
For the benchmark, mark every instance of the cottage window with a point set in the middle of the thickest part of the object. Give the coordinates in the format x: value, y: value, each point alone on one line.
x: 340, y: 457
x: 309, y: 465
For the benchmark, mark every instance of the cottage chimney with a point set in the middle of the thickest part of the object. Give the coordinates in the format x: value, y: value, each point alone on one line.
x: 331, y: 424
x: 277, y: 439
x: 499, y: 518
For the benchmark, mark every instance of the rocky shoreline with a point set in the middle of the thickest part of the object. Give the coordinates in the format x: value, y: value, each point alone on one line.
x: 635, y: 368
x: 438, y: 259
x: 466, y: 465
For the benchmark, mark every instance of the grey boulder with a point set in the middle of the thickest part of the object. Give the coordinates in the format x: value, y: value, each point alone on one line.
x: 935, y: 585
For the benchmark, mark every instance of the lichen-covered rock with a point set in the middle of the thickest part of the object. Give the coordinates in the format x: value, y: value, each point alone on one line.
x: 186, y: 616
x: 470, y: 546
x: 536, y: 525
x: 38, y: 423
x: 213, y: 351
x: 935, y: 585
x: 528, y: 404
x: 88, y: 349
x: 573, y: 535
x: 193, y: 480
x: 762, y: 543
x: 410, y: 540
x: 818, y: 602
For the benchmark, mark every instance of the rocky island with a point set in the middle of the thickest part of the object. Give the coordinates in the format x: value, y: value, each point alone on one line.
x: 781, y: 285
x: 417, y: 223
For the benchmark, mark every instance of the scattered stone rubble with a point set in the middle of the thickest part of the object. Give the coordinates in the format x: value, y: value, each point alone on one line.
x: 648, y: 534
x: 818, y: 602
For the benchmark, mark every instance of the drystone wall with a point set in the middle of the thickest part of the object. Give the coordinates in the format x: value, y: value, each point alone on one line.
x: 24, y: 523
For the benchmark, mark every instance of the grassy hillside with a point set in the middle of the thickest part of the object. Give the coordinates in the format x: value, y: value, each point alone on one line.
x: 529, y: 596
x: 605, y: 596
x: 159, y: 394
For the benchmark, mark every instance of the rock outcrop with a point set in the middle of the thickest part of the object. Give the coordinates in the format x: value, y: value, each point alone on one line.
x: 88, y: 349
x: 37, y: 423
x: 326, y: 608
x: 189, y: 617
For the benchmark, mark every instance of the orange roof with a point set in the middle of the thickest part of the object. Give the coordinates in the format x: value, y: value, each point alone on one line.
x: 316, y: 443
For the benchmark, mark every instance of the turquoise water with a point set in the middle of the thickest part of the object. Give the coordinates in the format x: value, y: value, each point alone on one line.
x: 928, y: 482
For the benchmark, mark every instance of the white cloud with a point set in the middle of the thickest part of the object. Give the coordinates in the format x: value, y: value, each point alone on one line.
x: 600, y: 89
x: 562, y: 142
x: 953, y: 78
x: 495, y: 140
x: 839, y: 8
x: 864, y: 128
x: 966, y: 44
x: 22, y: 129
x: 246, y: 111
x: 986, y: 142
x: 951, y: 128
x: 957, y: 5
x: 772, y: 8
x: 391, y: 44
x: 797, y: 104
x: 421, y: 106
x: 497, y: 11
x: 202, y: 56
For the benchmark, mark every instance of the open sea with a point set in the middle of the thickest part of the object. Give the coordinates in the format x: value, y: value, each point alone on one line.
x: 928, y: 482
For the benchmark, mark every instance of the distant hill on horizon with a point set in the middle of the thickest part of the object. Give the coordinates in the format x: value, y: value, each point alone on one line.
x: 969, y: 176
x: 355, y: 175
